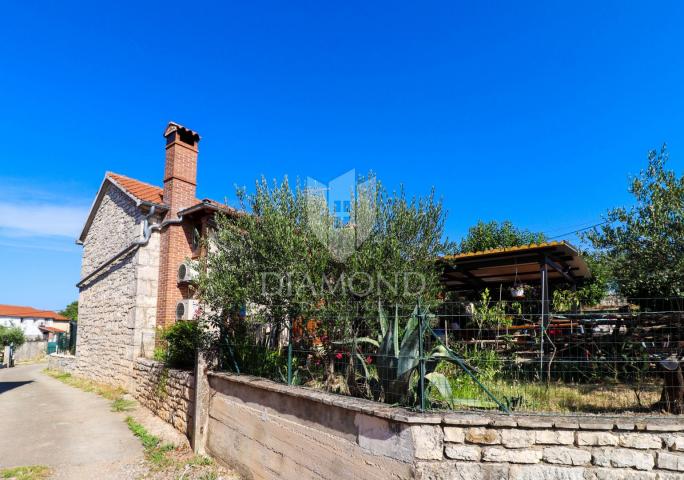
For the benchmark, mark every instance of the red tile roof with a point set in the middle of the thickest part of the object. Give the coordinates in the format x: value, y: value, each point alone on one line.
x: 51, y: 329
x: 18, y: 311
x: 150, y: 193
x: 141, y: 190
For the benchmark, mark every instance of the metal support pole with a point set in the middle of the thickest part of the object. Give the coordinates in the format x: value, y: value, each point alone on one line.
x: 289, y: 354
x: 544, y: 314
x: 421, y: 355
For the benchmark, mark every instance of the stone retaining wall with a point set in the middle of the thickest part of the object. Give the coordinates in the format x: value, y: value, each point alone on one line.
x: 582, y: 448
x: 62, y: 362
x: 167, y: 392
x: 271, y: 431
x: 30, y: 351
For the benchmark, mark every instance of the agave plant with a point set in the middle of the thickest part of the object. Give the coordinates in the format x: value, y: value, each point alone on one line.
x: 399, y: 356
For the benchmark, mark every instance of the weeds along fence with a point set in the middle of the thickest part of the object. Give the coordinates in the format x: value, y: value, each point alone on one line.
x: 483, y: 355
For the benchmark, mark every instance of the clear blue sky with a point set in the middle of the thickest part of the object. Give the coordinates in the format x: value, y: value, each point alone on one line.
x: 535, y: 112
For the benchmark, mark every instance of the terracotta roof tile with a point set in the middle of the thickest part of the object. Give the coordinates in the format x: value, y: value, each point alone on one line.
x: 150, y: 193
x: 52, y: 329
x: 140, y: 190
x: 18, y: 311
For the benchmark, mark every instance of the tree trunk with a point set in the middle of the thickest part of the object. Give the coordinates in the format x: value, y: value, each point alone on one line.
x: 672, y: 396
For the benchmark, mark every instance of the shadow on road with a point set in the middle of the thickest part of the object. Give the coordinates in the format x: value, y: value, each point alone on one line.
x: 7, y: 386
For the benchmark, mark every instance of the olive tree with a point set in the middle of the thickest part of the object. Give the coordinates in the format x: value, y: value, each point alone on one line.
x: 644, y: 246
x: 11, y: 336
x: 271, y: 262
x: 493, y: 234
x: 644, y: 243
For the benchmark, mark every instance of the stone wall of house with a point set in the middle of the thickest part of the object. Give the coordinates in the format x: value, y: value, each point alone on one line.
x: 272, y: 431
x: 145, y: 309
x: 117, y: 307
x: 169, y: 393
x: 117, y: 224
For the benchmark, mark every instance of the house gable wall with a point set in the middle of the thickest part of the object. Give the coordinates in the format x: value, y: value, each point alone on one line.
x: 116, y: 224
x: 117, y: 306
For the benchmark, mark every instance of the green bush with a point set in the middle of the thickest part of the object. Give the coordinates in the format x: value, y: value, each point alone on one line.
x: 11, y: 335
x: 182, y: 339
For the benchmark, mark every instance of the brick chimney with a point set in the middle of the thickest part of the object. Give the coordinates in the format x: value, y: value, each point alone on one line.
x: 180, y: 183
x: 180, y: 172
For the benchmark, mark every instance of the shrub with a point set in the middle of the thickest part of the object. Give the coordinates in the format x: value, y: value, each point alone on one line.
x: 11, y: 335
x: 182, y: 339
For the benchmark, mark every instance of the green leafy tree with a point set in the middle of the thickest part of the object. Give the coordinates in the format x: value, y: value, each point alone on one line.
x: 267, y: 257
x: 399, y: 256
x: 595, y: 288
x: 271, y: 264
x: 487, y: 235
x: 588, y: 292
x: 11, y: 336
x: 644, y: 244
x: 71, y: 311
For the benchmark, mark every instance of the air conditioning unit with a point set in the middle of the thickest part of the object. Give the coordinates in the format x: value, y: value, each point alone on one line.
x: 186, y: 309
x: 187, y: 273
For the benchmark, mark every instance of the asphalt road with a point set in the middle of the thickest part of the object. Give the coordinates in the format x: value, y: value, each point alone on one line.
x: 45, y: 422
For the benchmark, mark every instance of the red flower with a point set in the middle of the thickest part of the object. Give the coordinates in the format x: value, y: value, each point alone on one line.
x: 369, y: 359
x: 338, y: 356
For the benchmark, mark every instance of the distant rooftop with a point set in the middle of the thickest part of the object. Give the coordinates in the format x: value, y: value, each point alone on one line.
x: 29, y: 312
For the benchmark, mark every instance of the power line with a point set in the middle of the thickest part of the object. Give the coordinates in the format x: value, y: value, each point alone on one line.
x: 575, y: 226
x: 580, y: 230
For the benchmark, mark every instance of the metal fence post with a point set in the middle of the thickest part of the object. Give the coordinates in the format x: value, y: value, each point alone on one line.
x: 543, y: 320
x: 421, y: 355
x: 73, y: 333
x: 289, y: 354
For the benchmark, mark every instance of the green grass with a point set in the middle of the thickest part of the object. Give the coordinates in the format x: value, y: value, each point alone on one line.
x: 555, y: 397
x: 155, y: 450
x: 200, y: 461
x: 176, y: 462
x: 123, y: 405
x: 526, y: 395
x: 34, y: 472
x: 209, y: 476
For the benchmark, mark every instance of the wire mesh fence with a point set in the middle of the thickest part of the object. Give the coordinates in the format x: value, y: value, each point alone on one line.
x: 484, y: 355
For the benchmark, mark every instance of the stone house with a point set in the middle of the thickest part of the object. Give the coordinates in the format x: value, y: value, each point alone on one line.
x: 135, y: 238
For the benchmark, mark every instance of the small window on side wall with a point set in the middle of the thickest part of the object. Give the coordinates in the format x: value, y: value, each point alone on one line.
x: 196, y: 239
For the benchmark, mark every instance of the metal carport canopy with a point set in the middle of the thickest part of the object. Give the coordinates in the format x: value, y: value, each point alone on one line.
x: 477, y: 270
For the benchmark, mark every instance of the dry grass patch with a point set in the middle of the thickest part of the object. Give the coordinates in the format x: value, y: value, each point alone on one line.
x: 559, y: 397
x: 107, y: 391
x: 110, y: 392
x: 33, y: 472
